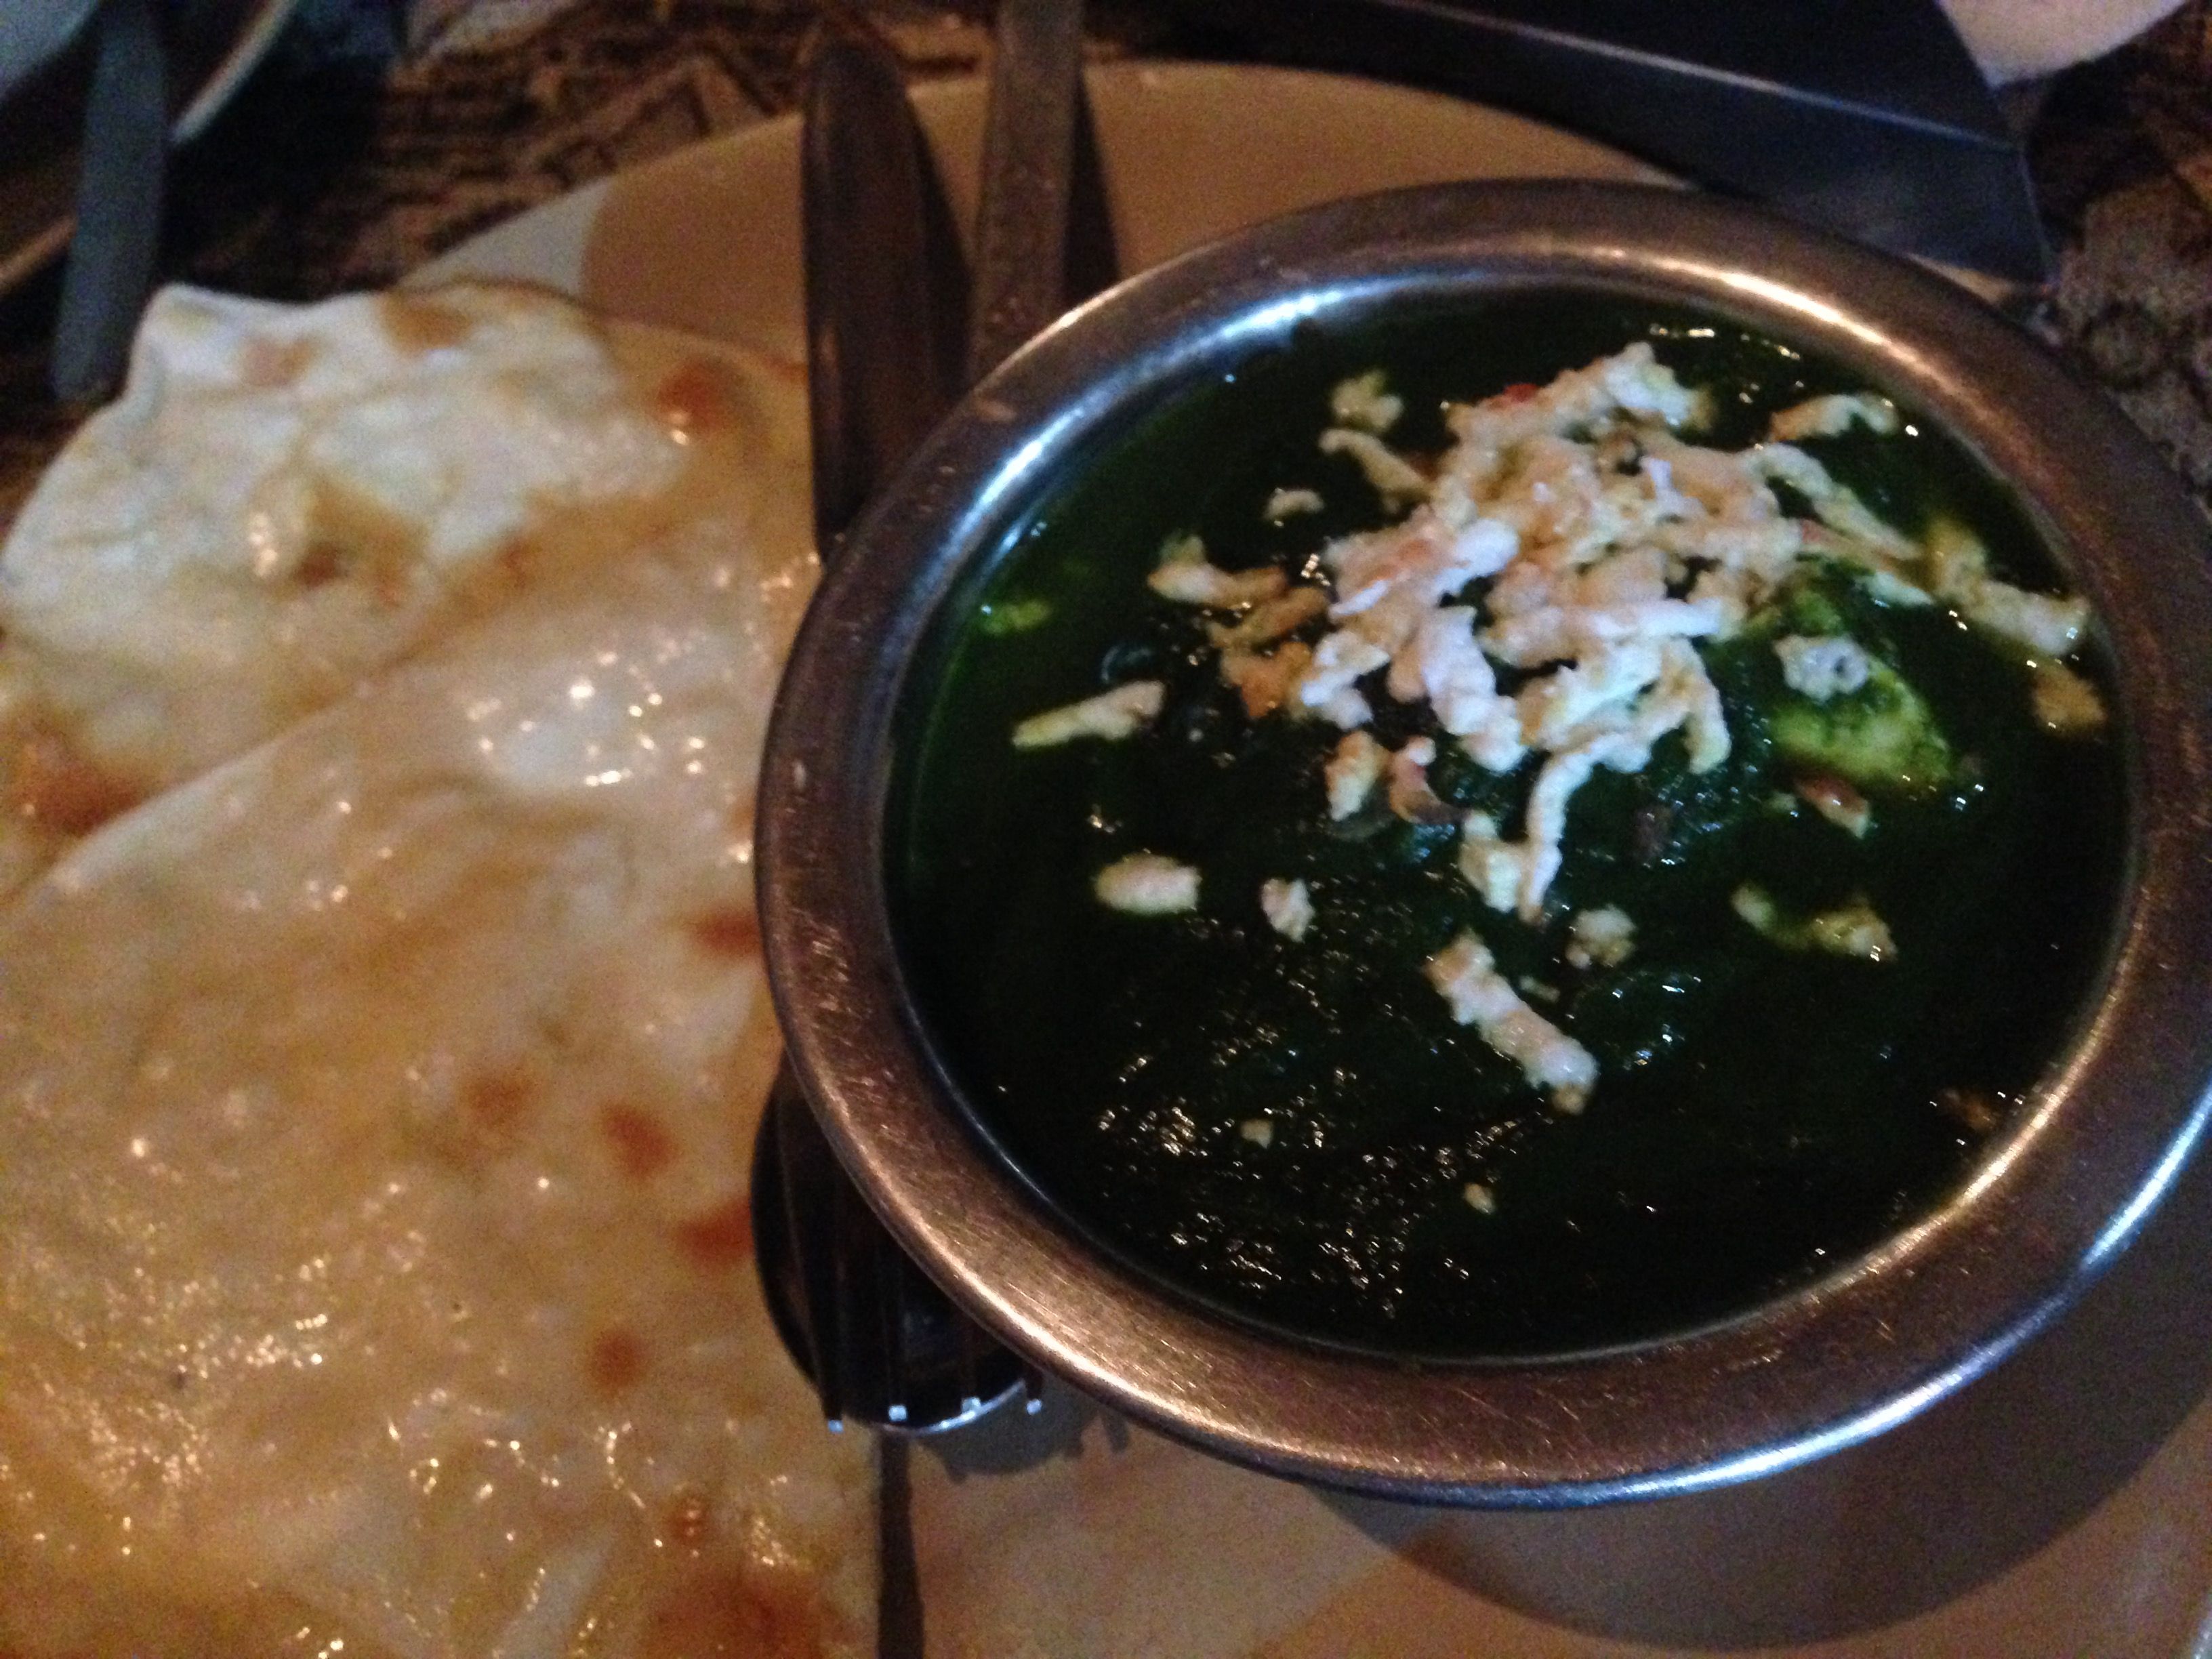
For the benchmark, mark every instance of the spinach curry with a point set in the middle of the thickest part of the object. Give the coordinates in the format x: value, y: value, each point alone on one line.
x: 1220, y: 859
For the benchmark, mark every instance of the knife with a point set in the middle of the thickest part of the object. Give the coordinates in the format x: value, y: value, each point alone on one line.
x: 118, y: 204
x: 885, y: 298
x: 1867, y: 117
x: 884, y: 294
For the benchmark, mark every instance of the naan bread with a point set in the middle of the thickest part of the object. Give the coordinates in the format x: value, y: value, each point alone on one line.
x: 287, y: 499
x: 377, y: 1110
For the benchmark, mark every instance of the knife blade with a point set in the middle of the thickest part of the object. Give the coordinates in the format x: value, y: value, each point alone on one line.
x: 118, y: 204
x: 883, y: 297
x: 1867, y: 117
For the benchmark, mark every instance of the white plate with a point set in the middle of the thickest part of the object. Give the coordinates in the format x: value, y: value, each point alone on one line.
x: 2063, y: 1506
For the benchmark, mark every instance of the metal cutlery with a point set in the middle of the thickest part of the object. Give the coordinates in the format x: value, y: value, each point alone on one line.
x: 883, y: 1346
x: 884, y: 289
x: 118, y: 204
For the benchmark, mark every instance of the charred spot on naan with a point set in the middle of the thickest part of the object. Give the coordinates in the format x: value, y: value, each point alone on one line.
x: 264, y: 364
x: 721, y: 1238
x: 729, y: 932
x: 640, y: 1143
x: 424, y: 322
x: 52, y: 785
x: 765, y: 1610
x: 353, y: 536
x: 615, y: 1362
x: 699, y: 395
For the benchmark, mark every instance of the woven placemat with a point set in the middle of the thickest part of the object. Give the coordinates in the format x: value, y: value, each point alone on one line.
x: 380, y: 134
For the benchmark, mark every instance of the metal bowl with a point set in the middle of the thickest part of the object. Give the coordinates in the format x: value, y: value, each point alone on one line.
x: 2054, y: 1198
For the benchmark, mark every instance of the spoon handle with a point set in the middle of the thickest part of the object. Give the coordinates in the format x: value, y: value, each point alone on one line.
x: 1029, y: 155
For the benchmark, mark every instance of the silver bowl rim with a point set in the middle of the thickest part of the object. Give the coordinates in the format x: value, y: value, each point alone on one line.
x: 2062, y: 1190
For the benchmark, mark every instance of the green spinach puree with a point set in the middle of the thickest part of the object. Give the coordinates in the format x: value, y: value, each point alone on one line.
x: 1296, y: 1131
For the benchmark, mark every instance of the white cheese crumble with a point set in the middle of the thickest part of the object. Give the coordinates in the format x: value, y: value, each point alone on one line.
x: 1395, y: 479
x: 1353, y: 772
x: 1577, y: 537
x: 1266, y: 679
x: 1832, y: 415
x: 2042, y: 624
x: 1147, y: 884
x: 1603, y: 938
x: 1258, y: 1131
x: 1821, y: 666
x: 1466, y: 976
x: 1366, y: 402
x: 1110, y: 716
x: 1479, y: 1197
x: 2065, y: 702
x: 1288, y: 906
x: 1410, y: 798
x: 1270, y: 619
x: 1493, y: 867
x: 1184, y: 575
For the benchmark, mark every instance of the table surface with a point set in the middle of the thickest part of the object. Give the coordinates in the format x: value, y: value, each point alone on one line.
x: 381, y: 132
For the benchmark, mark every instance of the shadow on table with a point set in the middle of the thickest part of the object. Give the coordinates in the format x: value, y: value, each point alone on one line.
x: 1890, y: 1528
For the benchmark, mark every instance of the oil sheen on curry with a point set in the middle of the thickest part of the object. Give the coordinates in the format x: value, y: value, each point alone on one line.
x: 1510, y: 832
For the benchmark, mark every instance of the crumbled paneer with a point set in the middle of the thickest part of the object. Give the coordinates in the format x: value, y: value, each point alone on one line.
x: 1269, y: 620
x: 1467, y: 977
x: 1258, y: 1131
x: 1288, y: 906
x: 1395, y: 479
x: 1109, y: 716
x: 1353, y: 772
x: 1850, y: 930
x: 2042, y: 624
x: 1619, y: 737
x: 1147, y: 884
x: 1184, y: 575
x: 1824, y: 665
x: 1327, y: 686
x: 1578, y: 538
x: 1364, y: 402
x: 1410, y: 798
x: 1603, y: 938
x: 1479, y: 1197
x: 1494, y: 868
x: 1833, y: 415
x: 1864, y: 535
x: 1266, y: 679
x: 2065, y: 702
x: 1837, y: 801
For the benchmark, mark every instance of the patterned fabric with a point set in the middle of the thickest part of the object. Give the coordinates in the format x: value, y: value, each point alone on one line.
x: 381, y: 133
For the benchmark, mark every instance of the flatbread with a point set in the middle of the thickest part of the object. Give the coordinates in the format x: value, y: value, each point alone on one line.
x: 287, y: 500
x: 378, y: 1109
